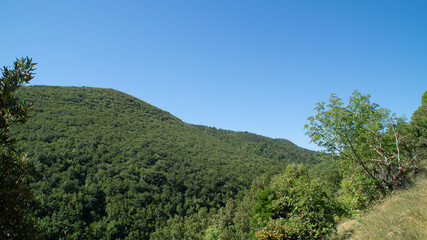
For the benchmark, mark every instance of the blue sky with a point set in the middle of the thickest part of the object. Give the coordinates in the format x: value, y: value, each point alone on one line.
x: 256, y: 66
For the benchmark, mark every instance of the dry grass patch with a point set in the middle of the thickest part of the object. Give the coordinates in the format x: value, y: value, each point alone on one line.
x: 401, y: 216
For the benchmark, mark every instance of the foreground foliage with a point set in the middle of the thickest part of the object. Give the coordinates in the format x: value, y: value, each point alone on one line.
x: 16, y: 200
x: 294, y: 206
x: 419, y: 127
x: 290, y: 205
x: 374, y: 148
x: 401, y: 216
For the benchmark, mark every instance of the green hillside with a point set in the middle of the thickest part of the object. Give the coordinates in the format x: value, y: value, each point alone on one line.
x: 111, y: 166
x: 278, y: 149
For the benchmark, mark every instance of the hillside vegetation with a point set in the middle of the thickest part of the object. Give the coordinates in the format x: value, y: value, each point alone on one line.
x: 401, y: 216
x: 104, y: 165
x: 99, y: 164
x: 111, y: 166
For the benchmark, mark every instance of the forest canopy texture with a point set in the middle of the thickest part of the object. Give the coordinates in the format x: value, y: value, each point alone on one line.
x: 112, y: 166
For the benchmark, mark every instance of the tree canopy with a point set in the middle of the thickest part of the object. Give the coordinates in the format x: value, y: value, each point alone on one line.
x: 115, y: 167
x: 366, y: 138
x: 16, y: 199
x: 419, y: 125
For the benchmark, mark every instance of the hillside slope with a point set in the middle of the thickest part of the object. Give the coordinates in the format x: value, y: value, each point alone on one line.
x: 402, y: 215
x: 281, y: 150
x: 112, y: 166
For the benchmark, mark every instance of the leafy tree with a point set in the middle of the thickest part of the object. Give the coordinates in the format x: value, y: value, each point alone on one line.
x: 419, y: 126
x: 364, y: 137
x: 357, y: 191
x: 294, y: 206
x: 16, y: 199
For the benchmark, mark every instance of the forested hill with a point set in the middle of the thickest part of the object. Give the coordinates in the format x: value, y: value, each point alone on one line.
x: 278, y: 149
x: 112, y: 166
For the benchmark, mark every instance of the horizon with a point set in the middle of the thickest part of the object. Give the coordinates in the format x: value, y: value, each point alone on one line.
x: 245, y: 66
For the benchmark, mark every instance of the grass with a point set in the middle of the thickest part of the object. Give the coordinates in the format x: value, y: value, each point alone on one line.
x: 402, y: 215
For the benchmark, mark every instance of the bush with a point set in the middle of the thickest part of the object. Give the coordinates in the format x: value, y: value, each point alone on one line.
x: 297, y: 208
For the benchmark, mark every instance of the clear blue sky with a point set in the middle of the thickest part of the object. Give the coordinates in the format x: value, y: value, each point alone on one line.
x: 256, y: 66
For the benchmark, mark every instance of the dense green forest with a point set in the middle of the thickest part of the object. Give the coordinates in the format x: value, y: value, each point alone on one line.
x: 112, y: 166
x: 89, y: 163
